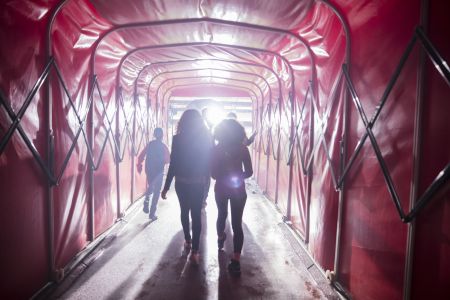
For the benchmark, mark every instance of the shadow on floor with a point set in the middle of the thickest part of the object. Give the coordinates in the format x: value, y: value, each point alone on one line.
x: 103, y: 253
x: 175, y: 277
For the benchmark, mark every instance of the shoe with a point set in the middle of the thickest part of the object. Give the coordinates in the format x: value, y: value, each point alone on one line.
x: 153, y: 218
x: 145, y: 208
x: 234, y: 267
x: 195, y: 258
x: 221, y: 241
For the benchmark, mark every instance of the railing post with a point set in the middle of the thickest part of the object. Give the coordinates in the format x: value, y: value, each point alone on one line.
x: 260, y: 133
x: 291, y: 164
x: 268, y: 148
x: 343, y: 157
x: 414, y: 188
x: 90, y: 130
x: 133, y: 145
x: 117, y: 160
x: 50, y: 164
x: 309, y: 165
x: 278, y: 152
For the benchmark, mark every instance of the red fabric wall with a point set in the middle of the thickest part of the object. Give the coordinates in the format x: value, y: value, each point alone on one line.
x: 431, y: 264
x: 372, y: 249
x: 23, y: 206
x: 373, y: 237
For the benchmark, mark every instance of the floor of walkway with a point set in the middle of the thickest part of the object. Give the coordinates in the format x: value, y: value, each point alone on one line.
x: 145, y: 260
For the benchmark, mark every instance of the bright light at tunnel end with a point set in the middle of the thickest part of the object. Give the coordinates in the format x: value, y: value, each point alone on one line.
x: 214, y: 115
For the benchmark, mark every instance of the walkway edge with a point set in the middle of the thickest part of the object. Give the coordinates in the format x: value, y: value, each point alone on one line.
x: 51, y: 287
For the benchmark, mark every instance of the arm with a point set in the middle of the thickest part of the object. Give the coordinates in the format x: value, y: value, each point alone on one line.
x: 247, y: 161
x: 214, y: 163
x: 171, y: 171
x: 141, y: 159
x: 166, y: 155
x: 251, y: 139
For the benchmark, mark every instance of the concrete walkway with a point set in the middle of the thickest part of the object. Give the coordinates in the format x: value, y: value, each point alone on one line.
x: 145, y: 260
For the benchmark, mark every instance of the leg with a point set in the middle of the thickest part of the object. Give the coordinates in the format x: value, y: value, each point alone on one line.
x: 156, y: 189
x: 196, y: 201
x: 182, y: 193
x: 222, y: 213
x: 148, y: 191
x: 237, y: 210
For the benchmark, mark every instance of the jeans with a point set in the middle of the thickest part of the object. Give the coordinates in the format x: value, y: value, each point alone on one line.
x: 237, y: 203
x: 190, y: 196
x: 154, y: 187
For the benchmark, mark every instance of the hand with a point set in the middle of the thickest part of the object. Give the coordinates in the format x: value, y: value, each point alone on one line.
x: 252, y: 137
x: 164, y: 194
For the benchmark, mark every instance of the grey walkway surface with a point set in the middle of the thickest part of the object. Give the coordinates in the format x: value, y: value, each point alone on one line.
x: 145, y: 260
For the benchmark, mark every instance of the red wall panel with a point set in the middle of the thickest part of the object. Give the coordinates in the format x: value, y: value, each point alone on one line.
x: 373, y: 236
x: 23, y: 190
x: 431, y: 264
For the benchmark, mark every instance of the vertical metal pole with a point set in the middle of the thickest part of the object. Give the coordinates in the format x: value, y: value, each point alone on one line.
x: 309, y: 171
x: 255, y: 122
x: 133, y: 145
x: 50, y: 146
x: 278, y: 155
x: 90, y: 129
x: 343, y: 157
x: 50, y: 160
x: 291, y: 165
x: 268, y: 147
x: 417, y: 151
x: 260, y: 112
x: 291, y: 168
x: 118, y: 92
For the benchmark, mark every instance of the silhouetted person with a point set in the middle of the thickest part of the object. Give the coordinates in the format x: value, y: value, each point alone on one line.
x: 189, y: 164
x: 230, y: 166
x: 210, y: 127
x: 247, y: 141
x: 156, y: 155
x: 232, y: 115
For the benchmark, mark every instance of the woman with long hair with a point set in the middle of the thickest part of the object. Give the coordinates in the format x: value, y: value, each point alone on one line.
x: 190, y: 165
x: 230, y: 166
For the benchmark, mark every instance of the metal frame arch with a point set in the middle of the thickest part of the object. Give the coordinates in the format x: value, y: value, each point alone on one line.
x: 199, y: 77
x: 213, y: 69
x: 285, y: 61
x: 250, y: 91
x: 207, y: 20
x: 220, y: 60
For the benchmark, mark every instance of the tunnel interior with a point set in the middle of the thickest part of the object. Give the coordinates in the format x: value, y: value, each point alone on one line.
x: 349, y: 103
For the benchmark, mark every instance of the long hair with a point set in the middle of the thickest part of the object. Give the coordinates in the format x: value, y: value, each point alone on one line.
x: 190, y: 121
x: 229, y: 132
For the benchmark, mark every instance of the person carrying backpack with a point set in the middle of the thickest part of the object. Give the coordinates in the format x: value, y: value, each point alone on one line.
x: 156, y: 155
